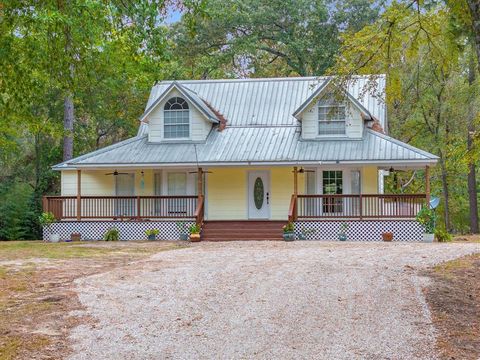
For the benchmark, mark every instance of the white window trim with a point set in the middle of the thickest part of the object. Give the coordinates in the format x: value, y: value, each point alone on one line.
x: 344, y: 121
x: 189, y: 121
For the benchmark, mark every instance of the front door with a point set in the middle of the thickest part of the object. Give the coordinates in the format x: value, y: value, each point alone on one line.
x: 259, y: 195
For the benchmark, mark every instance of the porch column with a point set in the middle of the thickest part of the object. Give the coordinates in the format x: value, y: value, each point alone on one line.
x: 200, y: 181
x: 79, y: 193
x: 427, y: 185
x: 295, y: 181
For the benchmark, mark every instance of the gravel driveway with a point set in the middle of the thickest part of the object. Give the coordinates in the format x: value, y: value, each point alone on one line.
x: 265, y: 300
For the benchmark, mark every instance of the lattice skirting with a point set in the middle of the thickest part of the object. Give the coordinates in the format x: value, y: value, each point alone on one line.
x: 361, y: 230
x: 134, y: 230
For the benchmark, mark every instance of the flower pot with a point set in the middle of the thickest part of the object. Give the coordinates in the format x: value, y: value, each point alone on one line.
x: 151, y: 237
x: 289, y: 236
x: 54, y: 238
x: 342, y: 237
x: 195, y: 237
x: 184, y: 237
x: 387, y: 236
x: 428, y: 238
x: 75, y: 236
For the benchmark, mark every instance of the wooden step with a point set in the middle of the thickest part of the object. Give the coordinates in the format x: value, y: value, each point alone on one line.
x: 242, y: 230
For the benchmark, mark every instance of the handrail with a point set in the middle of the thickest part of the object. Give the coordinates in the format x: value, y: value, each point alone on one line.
x: 122, y: 207
x: 358, y: 206
x: 292, y: 210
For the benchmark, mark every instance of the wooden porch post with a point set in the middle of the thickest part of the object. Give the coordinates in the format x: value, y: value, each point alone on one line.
x: 200, y: 182
x: 427, y: 185
x: 79, y: 193
x: 295, y: 181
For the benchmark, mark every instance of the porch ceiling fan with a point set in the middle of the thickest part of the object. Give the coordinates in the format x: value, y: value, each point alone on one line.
x: 115, y: 173
x: 302, y: 170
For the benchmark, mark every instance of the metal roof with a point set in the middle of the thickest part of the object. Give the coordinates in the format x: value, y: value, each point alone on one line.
x: 190, y: 95
x: 252, y: 145
x: 272, y: 102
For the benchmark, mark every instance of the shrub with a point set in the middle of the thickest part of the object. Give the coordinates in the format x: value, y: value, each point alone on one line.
x: 46, y: 219
x: 194, y: 229
x: 289, y: 227
x: 111, y: 235
x: 152, y: 232
x: 427, y: 217
x: 343, y: 228
x: 442, y: 235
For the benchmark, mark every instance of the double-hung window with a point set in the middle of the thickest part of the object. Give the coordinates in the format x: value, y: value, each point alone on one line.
x: 331, y: 116
x: 176, y: 119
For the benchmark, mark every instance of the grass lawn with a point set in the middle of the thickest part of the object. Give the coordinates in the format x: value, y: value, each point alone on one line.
x: 454, y: 300
x: 36, y: 292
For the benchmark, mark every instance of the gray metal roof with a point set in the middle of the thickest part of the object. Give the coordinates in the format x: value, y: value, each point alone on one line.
x: 190, y: 95
x: 273, y: 101
x: 252, y: 145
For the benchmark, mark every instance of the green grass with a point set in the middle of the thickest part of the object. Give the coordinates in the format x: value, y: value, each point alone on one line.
x: 20, y: 250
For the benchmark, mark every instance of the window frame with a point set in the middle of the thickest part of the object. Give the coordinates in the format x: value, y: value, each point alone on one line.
x: 188, y: 123
x: 329, y: 103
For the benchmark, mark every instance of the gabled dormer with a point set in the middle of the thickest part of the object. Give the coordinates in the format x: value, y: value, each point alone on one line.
x: 332, y: 113
x: 179, y: 115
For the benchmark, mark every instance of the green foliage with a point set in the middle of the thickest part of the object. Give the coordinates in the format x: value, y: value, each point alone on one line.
x: 152, y: 232
x: 182, y: 227
x: 442, y: 235
x: 343, y: 228
x: 112, y: 235
x: 46, y: 219
x: 194, y: 229
x: 427, y: 217
x: 289, y: 227
x: 15, y: 211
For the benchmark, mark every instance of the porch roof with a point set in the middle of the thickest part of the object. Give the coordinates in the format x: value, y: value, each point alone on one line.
x: 279, y: 145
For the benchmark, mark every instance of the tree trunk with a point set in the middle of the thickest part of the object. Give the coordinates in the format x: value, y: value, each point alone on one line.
x: 68, y: 107
x: 68, y: 127
x: 446, y: 196
x: 474, y: 6
x: 472, y: 181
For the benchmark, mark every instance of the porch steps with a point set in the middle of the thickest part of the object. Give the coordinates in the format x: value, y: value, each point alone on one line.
x: 242, y: 230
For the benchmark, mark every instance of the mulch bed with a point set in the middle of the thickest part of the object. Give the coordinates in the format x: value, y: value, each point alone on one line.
x: 454, y: 301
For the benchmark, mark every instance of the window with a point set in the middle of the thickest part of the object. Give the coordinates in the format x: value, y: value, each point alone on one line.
x: 176, y: 119
x: 331, y: 116
x: 332, y: 184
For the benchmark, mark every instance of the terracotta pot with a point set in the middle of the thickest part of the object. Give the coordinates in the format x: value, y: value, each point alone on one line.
x: 195, y: 237
x: 76, y: 236
x: 387, y: 236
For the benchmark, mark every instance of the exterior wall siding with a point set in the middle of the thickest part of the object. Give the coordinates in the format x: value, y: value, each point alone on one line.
x: 227, y: 192
x: 370, y: 180
x: 199, y: 126
x: 354, y: 123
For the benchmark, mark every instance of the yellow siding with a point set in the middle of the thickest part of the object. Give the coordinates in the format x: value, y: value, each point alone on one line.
x: 94, y: 182
x: 370, y: 180
x: 227, y: 192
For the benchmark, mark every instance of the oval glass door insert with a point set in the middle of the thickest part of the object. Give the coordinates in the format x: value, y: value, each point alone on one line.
x: 258, y: 193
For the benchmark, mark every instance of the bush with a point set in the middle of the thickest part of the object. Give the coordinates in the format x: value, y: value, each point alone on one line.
x: 194, y: 229
x: 427, y: 217
x: 112, y: 235
x: 442, y: 235
x: 46, y: 219
x: 288, y: 227
x: 152, y: 232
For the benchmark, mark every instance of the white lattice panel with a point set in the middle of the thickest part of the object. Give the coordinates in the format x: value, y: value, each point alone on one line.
x: 135, y: 230
x: 361, y: 230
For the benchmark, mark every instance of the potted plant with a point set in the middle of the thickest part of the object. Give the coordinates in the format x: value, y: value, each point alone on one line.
x: 46, y: 220
x: 182, y: 229
x: 342, y: 234
x: 288, y: 232
x: 194, y: 231
x: 387, y: 236
x: 112, y: 235
x: 427, y: 217
x: 152, y: 234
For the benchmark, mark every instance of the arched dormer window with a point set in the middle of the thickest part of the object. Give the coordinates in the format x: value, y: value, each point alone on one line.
x: 176, y: 119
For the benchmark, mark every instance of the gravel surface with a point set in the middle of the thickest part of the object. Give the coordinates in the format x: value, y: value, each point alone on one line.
x: 243, y: 300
